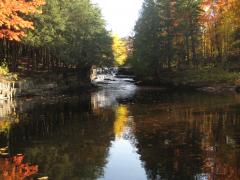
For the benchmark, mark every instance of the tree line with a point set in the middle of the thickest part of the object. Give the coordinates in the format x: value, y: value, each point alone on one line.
x: 176, y: 34
x: 49, y: 35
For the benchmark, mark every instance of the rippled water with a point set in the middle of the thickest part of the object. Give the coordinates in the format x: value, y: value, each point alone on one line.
x: 122, y: 132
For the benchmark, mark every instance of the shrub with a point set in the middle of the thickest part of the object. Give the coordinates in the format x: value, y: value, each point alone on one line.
x: 4, y: 68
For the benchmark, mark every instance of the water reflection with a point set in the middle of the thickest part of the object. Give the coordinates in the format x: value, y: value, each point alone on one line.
x: 14, y: 168
x: 66, y: 140
x: 189, y: 139
x: 123, y: 160
x: 121, y: 120
x: 112, y: 93
x: 122, y: 132
x: 62, y: 136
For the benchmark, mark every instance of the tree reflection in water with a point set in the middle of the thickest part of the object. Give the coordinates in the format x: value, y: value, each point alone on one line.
x: 14, y: 168
x: 176, y: 136
x: 66, y: 139
x: 189, y: 138
x: 120, y: 120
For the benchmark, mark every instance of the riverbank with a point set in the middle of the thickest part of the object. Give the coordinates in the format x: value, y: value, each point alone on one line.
x: 42, y: 84
x: 205, y: 79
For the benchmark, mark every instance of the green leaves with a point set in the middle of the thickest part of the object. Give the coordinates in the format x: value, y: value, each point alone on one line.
x: 74, y: 31
x: 166, y: 35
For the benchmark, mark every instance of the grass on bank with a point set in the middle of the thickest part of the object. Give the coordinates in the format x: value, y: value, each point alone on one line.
x: 195, y: 77
x: 206, y: 76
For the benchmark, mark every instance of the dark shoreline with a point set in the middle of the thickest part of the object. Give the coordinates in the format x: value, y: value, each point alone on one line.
x: 187, y: 87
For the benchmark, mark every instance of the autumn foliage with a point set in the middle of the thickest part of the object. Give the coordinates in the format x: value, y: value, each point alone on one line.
x: 14, y: 168
x: 186, y: 34
x: 119, y: 48
x: 55, y: 35
x: 12, y: 17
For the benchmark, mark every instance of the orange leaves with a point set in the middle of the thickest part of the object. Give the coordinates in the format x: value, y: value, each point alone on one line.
x: 220, y: 14
x: 213, y: 10
x: 12, y: 24
x: 14, y: 168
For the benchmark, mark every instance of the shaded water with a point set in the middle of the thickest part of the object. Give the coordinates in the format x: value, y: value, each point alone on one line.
x: 122, y: 132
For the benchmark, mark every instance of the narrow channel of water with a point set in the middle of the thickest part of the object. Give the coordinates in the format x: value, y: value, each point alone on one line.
x: 122, y: 132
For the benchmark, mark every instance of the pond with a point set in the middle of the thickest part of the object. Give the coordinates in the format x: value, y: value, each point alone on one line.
x: 122, y: 132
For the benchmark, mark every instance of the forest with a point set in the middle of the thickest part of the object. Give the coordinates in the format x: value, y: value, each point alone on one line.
x: 174, y: 40
x: 52, y: 35
x: 193, y: 40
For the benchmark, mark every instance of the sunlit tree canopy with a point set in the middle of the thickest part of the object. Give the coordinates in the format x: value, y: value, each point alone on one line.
x: 119, y: 48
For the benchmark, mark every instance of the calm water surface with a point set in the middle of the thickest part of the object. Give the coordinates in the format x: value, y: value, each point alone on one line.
x: 122, y: 132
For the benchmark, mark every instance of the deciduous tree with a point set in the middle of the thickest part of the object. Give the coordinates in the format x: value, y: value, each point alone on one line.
x: 12, y: 20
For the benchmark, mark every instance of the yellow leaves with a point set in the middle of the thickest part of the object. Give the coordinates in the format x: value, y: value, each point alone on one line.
x: 4, y: 69
x: 121, y: 120
x: 4, y: 125
x: 220, y: 20
x: 119, y: 48
x: 215, y: 10
x: 12, y: 25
